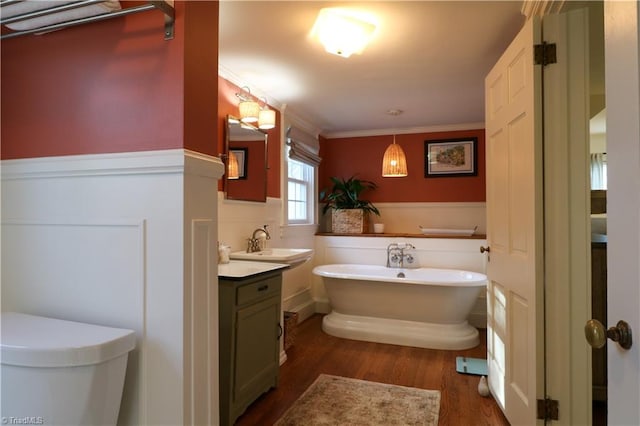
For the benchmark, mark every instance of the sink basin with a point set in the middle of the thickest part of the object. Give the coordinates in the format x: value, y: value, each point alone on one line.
x: 290, y: 256
x: 242, y: 269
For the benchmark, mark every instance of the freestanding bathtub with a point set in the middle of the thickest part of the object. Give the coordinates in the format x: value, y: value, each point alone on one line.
x: 422, y: 307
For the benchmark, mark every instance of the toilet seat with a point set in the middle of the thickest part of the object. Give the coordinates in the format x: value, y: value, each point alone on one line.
x: 35, y: 341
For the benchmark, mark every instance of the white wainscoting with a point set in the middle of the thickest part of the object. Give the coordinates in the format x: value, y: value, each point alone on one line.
x: 125, y: 240
x: 430, y: 252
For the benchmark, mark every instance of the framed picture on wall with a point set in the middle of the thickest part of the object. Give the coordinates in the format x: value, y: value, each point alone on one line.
x: 451, y: 157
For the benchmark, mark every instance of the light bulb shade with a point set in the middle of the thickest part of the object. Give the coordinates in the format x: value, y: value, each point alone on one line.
x: 267, y: 119
x: 249, y: 111
x: 394, y: 162
x: 233, y: 170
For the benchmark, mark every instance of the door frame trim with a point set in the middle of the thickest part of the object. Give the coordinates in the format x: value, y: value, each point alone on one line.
x: 567, y: 216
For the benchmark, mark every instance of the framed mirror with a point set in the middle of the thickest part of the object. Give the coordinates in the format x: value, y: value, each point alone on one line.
x: 245, y: 175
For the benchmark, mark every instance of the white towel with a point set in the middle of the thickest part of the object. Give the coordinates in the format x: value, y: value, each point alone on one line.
x: 54, y: 18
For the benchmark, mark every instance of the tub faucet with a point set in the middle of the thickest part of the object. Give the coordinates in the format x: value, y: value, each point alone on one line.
x: 396, y: 256
x: 254, y: 243
x: 406, y: 257
x: 393, y: 255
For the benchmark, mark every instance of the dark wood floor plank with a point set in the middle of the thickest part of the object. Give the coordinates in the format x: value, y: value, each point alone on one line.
x: 315, y: 352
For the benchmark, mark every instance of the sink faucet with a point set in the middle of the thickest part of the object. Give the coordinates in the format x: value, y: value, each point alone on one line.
x: 396, y: 255
x: 254, y: 243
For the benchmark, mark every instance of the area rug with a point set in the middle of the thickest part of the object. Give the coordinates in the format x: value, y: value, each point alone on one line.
x: 333, y: 400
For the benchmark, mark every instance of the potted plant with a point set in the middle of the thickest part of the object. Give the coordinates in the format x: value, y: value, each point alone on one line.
x: 350, y: 213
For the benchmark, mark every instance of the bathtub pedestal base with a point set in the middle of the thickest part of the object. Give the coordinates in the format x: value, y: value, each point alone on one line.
x: 401, y: 332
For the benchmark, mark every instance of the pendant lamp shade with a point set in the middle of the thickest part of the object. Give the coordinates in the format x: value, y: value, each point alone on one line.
x: 233, y: 168
x: 394, y: 162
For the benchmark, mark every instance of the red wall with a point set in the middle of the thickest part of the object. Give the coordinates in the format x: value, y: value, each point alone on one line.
x: 362, y: 156
x: 228, y: 105
x: 113, y: 86
x: 118, y: 86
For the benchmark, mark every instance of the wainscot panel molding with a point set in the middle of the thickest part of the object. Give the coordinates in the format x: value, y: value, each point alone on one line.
x: 448, y: 253
x: 124, y: 240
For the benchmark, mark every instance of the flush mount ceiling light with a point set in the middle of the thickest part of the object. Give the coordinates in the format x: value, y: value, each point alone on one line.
x: 249, y: 109
x: 394, y: 162
x: 343, y: 32
x: 267, y: 117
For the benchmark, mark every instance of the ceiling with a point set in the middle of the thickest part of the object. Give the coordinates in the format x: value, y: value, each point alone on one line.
x: 428, y: 59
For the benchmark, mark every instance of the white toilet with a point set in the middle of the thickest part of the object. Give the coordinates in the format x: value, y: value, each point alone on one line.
x: 57, y: 372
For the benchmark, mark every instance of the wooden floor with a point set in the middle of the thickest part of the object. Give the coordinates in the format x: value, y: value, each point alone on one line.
x: 315, y: 352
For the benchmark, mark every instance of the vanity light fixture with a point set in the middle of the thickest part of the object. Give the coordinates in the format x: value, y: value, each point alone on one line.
x: 249, y: 109
x: 266, y: 117
x: 394, y: 162
x: 343, y: 32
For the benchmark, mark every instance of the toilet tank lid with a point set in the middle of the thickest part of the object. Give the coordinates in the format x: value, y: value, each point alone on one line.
x: 35, y: 341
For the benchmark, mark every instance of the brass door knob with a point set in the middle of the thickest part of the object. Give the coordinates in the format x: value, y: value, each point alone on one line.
x: 596, y: 334
x: 483, y: 249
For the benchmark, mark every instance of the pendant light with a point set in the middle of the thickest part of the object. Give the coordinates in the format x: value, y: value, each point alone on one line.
x: 233, y: 171
x: 394, y: 162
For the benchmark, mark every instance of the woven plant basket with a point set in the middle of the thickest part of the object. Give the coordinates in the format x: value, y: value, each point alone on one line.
x: 349, y: 221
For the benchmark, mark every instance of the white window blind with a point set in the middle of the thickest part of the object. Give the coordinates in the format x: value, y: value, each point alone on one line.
x: 303, y: 146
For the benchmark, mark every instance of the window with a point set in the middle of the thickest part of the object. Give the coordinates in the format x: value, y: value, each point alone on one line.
x: 300, y: 200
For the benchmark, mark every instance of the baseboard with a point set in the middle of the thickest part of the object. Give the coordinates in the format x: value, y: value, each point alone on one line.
x: 301, y: 303
x: 322, y: 306
x: 477, y: 319
x: 304, y: 310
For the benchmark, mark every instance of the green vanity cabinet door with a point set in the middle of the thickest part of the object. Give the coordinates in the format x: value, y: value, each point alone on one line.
x: 249, y: 332
x: 257, y: 358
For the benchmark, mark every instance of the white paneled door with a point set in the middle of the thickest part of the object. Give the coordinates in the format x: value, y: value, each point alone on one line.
x: 514, y: 227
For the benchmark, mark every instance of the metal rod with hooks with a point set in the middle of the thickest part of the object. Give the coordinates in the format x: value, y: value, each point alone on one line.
x: 163, y: 6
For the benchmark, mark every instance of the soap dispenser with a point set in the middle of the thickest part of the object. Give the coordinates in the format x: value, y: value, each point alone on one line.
x: 223, y: 253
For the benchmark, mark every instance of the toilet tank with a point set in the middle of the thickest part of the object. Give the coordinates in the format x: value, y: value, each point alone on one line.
x: 58, y: 372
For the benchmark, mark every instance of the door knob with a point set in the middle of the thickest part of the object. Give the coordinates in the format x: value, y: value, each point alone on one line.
x: 596, y: 334
x: 483, y: 249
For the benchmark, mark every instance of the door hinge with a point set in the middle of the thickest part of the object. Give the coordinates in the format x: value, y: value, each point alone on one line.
x: 547, y: 409
x: 544, y: 54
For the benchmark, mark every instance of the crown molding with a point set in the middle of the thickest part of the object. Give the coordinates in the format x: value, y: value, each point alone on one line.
x: 409, y: 130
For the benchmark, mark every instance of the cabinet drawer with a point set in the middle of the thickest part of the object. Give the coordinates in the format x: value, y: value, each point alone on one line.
x: 257, y: 290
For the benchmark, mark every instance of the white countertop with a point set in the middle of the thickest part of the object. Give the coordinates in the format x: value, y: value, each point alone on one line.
x: 245, y: 268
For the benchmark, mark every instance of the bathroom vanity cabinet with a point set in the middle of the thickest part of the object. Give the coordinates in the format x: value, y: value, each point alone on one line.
x: 249, y: 334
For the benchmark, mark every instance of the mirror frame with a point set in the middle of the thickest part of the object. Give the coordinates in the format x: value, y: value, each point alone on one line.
x: 229, y: 120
